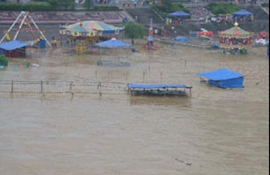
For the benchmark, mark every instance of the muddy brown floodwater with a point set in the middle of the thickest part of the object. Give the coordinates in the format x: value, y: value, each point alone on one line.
x: 214, y: 132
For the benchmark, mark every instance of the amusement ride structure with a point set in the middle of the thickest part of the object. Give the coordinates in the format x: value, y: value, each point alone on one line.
x: 235, y: 39
x: 25, y: 22
x: 150, y: 39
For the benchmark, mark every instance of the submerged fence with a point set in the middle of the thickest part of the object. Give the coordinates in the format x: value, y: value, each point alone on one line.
x: 61, y: 87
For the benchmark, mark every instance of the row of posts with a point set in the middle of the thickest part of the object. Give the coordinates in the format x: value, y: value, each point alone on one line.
x: 99, y: 85
x: 70, y: 87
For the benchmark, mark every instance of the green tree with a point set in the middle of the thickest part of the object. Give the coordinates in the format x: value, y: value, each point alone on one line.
x: 63, y: 4
x: 3, y: 60
x: 222, y: 8
x: 88, y: 4
x: 133, y: 31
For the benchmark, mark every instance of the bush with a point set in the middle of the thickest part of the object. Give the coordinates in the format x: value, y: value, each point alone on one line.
x: 3, y: 60
x: 47, y: 7
x: 265, y: 4
x: 27, y: 7
x: 165, y: 9
x: 222, y: 8
x: 106, y: 8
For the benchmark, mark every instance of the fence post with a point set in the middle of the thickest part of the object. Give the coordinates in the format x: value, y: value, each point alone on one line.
x: 41, y: 86
x: 70, y: 86
x: 12, y: 86
x: 99, y: 88
x: 160, y: 77
x: 143, y: 76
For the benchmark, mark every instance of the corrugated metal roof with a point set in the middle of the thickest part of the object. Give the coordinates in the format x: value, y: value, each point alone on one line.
x: 12, y: 45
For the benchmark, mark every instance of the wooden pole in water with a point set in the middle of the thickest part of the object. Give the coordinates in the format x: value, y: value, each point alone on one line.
x: 41, y: 86
x: 160, y: 77
x: 143, y: 76
x: 70, y: 87
x: 99, y: 88
x: 12, y: 86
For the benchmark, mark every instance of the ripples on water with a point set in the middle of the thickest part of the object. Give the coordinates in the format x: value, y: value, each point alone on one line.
x: 215, y: 131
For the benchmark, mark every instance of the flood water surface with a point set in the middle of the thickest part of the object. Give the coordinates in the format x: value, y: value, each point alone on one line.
x: 212, y: 132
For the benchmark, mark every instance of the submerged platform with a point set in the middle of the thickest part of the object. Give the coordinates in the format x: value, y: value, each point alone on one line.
x: 159, y: 89
x: 107, y: 63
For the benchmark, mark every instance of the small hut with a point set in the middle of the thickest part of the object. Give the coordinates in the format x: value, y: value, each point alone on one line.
x: 235, y: 40
x: 13, y: 48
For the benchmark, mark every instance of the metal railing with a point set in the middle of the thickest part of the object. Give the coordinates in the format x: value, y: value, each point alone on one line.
x: 11, y: 86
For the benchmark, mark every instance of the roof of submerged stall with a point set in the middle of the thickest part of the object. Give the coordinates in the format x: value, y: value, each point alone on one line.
x: 156, y: 86
x: 220, y: 74
x: 12, y: 45
x: 224, y: 78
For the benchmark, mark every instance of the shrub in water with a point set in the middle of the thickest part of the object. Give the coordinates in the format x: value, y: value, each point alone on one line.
x: 3, y: 60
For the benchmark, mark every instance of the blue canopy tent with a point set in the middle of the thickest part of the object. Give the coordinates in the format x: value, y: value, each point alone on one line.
x: 223, y: 78
x: 242, y: 12
x: 113, y: 44
x: 179, y: 14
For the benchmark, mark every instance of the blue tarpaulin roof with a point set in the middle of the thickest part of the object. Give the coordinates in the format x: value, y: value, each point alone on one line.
x: 156, y: 86
x: 181, y: 39
x: 113, y: 43
x: 242, y: 12
x: 12, y: 45
x: 223, y: 78
x: 220, y: 74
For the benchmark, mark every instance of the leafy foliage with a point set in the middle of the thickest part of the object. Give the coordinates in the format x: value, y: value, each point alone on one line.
x: 133, y: 30
x: 3, y: 60
x: 26, y: 7
x: 63, y: 4
x: 54, y: 5
x: 222, y: 8
x: 106, y: 8
x: 265, y: 4
x: 165, y: 8
x: 88, y: 4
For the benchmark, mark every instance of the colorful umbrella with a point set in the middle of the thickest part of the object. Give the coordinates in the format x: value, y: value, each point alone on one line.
x: 91, y: 28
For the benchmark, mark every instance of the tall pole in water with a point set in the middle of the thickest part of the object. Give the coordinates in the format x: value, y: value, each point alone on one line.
x: 150, y: 38
x: 267, y: 51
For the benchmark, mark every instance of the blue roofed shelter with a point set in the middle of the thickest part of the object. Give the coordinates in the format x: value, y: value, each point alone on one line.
x: 223, y: 78
x: 13, y: 48
x: 113, y: 43
x: 242, y: 12
x: 179, y: 14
